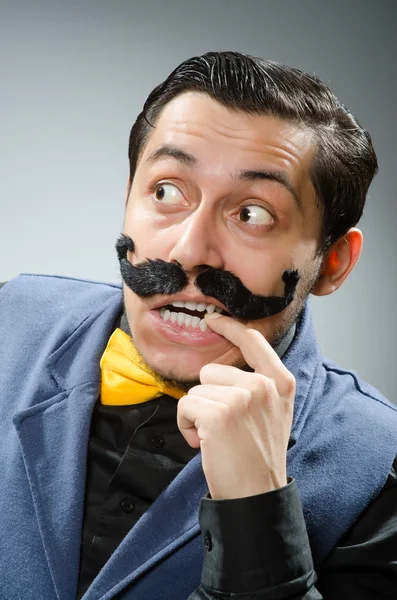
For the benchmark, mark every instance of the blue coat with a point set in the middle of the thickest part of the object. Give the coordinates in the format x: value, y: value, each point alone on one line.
x: 53, y: 331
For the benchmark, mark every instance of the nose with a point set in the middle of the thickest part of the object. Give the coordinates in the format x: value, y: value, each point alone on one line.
x: 198, y: 244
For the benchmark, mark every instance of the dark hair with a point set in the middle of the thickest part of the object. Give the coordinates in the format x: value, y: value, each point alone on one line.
x: 344, y: 161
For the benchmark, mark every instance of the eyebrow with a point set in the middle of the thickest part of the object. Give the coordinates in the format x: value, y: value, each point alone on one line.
x: 270, y: 175
x: 245, y: 175
x: 170, y: 151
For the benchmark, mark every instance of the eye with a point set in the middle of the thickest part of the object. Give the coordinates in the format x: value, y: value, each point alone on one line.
x: 166, y: 193
x: 255, y: 215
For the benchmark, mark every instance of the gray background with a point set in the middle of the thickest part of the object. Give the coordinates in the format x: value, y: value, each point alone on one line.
x: 74, y: 76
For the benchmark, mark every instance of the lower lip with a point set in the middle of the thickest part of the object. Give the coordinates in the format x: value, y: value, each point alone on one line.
x: 181, y: 334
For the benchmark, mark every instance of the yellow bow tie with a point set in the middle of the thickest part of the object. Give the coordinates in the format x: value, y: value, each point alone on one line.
x: 124, y: 378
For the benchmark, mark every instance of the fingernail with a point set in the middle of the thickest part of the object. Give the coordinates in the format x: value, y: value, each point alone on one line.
x: 215, y: 315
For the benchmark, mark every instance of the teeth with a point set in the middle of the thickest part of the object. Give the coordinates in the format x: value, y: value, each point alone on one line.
x: 191, y: 305
x: 195, y: 322
x: 183, y: 319
x: 199, y: 306
x: 203, y: 325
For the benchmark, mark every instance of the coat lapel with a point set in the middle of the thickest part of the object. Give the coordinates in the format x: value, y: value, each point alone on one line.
x: 53, y: 434
x: 170, y: 522
x: 53, y: 440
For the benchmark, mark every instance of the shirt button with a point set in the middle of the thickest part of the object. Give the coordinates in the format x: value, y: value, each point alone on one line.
x: 128, y: 505
x: 158, y: 441
x: 208, y: 542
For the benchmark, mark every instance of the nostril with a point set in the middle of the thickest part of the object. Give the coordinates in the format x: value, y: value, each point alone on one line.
x: 177, y: 263
x: 180, y: 265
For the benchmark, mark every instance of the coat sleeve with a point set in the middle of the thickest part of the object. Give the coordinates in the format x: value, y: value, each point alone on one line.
x: 257, y: 549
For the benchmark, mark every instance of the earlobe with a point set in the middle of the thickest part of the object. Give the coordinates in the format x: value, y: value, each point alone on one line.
x: 339, y: 262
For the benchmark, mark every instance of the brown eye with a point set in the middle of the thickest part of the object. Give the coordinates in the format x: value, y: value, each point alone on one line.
x: 166, y: 193
x: 160, y: 193
x: 255, y: 215
x: 245, y: 214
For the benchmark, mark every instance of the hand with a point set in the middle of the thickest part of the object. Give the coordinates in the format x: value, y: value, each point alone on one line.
x: 241, y: 420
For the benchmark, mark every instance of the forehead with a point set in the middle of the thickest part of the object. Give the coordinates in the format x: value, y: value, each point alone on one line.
x: 194, y: 121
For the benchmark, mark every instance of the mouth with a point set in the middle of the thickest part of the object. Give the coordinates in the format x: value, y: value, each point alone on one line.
x: 188, y: 314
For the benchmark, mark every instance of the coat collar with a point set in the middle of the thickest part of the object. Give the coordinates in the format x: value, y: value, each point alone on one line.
x: 302, y: 359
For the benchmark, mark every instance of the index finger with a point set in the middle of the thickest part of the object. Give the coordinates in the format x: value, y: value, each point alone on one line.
x: 254, y: 347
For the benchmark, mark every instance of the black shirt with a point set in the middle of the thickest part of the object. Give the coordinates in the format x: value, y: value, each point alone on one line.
x: 134, y: 454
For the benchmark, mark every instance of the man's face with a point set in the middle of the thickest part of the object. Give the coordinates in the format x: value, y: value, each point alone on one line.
x: 219, y: 188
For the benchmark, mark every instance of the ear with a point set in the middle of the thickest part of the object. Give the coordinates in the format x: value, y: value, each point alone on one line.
x: 339, y: 262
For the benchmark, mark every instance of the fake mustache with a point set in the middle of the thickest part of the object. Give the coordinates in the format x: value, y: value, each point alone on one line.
x: 161, y: 277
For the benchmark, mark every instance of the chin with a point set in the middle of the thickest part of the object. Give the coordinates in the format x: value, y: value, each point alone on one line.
x: 176, y: 365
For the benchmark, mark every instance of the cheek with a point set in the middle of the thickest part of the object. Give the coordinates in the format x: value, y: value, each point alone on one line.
x: 261, y: 273
x: 152, y: 237
x: 138, y: 224
x: 137, y: 218
x: 261, y: 270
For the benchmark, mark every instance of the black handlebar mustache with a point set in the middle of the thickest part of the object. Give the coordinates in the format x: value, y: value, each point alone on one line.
x: 158, y: 276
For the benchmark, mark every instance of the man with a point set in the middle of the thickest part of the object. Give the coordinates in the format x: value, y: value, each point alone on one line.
x: 196, y: 399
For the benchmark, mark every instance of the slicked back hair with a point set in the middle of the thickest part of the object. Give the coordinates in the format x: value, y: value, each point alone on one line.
x: 344, y: 161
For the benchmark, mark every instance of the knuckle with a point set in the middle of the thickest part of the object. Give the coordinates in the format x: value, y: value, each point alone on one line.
x: 240, y: 393
x: 223, y: 415
x: 205, y: 372
x: 239, y: 403
x: 271, y: 388
x: 194, y: 391
x: 181, y: 403
x: 266, y: 386
x: 254, y: 334
x: 184, y: 402
x: 243, y: 398
x: 289, y: 385
x: 260, y: 384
